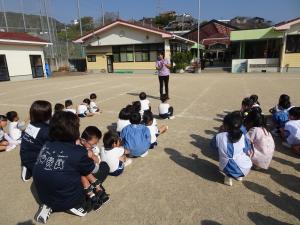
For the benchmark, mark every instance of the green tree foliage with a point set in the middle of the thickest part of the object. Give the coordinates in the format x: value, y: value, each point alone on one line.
x: 182, y: 59
x: 163, y: 20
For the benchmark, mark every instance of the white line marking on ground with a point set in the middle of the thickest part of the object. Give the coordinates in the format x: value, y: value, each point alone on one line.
x: 14, y: 105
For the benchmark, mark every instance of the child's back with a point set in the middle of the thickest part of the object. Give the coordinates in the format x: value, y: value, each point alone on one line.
x: 163, y: 108
x: 292, y: 130
x: 112, y: 157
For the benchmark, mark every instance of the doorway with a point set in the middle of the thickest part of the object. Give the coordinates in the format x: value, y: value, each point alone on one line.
x: 36, y: 66
x: 4, y: 75
x: 110, y: 63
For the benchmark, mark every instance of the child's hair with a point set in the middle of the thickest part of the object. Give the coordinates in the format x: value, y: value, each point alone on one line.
x: 295, y: 113
x: 254, y: 98
x: 255, y: 119
x: 93, y: 96
x: 87, y: 101
x: 68, y: 103
x: 232, y: 123
x: 164, y: 98
x: 129, y: 108
x: 136, y: 106
x: 135, y: 118
x: 247, y: 102
x: 147, y: 117
x: 40, y: 111
x: 284, y: 101
x: 143, y: 96
x: 124, y: 114
x: 58, y: 107
x: 11, y: 115
x: 64, y: 126
x: 3, y: 118
x: 90, y: 132
x: 110, y: 138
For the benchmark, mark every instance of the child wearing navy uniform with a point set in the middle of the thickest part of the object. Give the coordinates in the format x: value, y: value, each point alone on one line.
x: 35, y: 136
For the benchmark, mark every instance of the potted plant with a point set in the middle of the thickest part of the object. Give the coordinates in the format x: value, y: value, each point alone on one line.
x: 181, y: 60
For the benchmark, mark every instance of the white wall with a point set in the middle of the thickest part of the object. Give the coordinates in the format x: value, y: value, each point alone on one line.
x: 122, y: 35
x: 18, y: 60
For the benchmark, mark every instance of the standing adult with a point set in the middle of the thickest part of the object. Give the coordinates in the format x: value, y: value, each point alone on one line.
x: 163, y: 66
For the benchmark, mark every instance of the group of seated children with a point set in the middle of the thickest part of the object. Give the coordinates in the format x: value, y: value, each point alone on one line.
x: 68, y: 169
x: 87, y: 108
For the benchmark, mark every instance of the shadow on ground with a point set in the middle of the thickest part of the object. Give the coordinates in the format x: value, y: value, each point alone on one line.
x: 204, y: 145
x: 260, y: 219
x: 196, y: 165
x: 148, y: 96
x: 209, y: 222
x: 28, y: 222
x: 282, y: 201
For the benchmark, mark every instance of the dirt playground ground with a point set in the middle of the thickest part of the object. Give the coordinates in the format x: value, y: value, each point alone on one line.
x: 178, y: 182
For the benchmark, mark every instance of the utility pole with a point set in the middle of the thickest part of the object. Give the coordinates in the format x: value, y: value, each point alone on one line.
x: 80, y: 25
x: 67, y: 43
x: 23, y: 15
x: 4, y: 14
x: 102, y: 11
x: 198, y: 42
x: 49, y: 29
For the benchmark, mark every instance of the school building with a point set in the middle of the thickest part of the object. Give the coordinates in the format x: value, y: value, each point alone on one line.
x: 124, y: 47
x: 273, y: 49
x: 21, y: 56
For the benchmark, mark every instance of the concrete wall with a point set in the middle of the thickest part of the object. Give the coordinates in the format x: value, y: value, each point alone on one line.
x: 18, y: 61
x: 291, y: 62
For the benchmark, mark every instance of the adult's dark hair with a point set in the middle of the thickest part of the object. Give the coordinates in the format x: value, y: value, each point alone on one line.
x: 147, y: 117
x: 295, y: 112
x: 64, y: 126
x: 11, y: 115
x: 68, y: 103
x: 135, y: 118
x: 164, y: 98
x: 142, y: 96
x: 233, y: 123
x: 124, y: 114
x: 93, y: 96
x: 87, y: 101
x: 109, y: 139
x: 284, y: 101
x: 162, y: 54
x: 255, y: 119
x: 58, y: 107
x: 136, y: 106
x: 90, y: 132
x: 40, y: 111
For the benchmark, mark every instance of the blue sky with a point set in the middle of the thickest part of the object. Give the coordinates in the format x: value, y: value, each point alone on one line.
x: 66, y: 10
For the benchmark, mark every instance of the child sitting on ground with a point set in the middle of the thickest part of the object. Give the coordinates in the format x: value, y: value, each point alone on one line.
x: 280, y: 113
x: 59, y: 168
x: 137, y: 107
x: 83, y: 109
x: 6, y: 143
x: 136, y: 137
x: 114, y: 154
x: 256, y: 104
x: 93, y: 106
x: 123, y: 121
x: 234, y: 149
x: 35, y: 136
x: 291, y: 131
x: 247, y: 104
x: 69, y: 106
x: 165, y: 110
x: 15, y: 126
x: 263, y: 145
x: 58, y: 107
x: 91, y: 136
x: 145, y: 103
x: 150, y: 122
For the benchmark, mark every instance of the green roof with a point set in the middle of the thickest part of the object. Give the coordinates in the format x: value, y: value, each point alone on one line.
x: 255, y: 34
x: 200, y: 46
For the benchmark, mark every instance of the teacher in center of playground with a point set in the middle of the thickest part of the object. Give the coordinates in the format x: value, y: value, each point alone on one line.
x: 163, y: 66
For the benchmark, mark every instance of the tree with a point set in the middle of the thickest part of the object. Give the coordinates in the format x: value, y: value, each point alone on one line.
x: 164, y: 20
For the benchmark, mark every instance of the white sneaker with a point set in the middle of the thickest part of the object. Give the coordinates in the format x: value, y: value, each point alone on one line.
x: 239, y: 178
x: 43, y: 214
x: 10, y: 147
x: 25, y: 175
x: 228, y: 181
x: 127, y: 162
x: 81, y: 212
x: 144, y: 155
x: 171, y: 117
x: 285, y: 144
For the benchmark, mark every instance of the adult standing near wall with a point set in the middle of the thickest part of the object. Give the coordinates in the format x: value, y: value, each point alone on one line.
x: 163, y: 66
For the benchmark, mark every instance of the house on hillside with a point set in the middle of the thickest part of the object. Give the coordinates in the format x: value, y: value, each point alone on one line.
x: 215, y: 36
x: 21, y: 56
x: 126, y: 47
x: 271, y: 49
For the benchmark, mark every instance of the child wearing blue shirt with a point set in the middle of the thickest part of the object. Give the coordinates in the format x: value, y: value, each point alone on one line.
x: 35, y: 136
x: 136, y: 137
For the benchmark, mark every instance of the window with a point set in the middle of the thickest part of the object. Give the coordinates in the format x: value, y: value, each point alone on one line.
x: 293, y: 44
x: 91, y: 58
x: 137, y: 53
x: 262, y: 49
